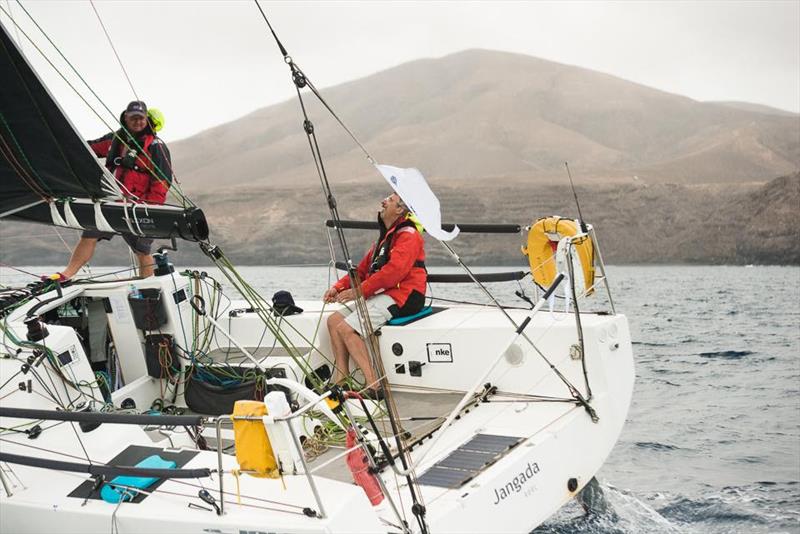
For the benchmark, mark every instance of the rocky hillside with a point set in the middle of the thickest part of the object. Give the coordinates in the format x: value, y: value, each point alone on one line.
x: 480, y: 115
x: 636, y: 223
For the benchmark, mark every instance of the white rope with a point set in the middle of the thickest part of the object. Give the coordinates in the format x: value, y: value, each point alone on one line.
x: 111, y: 186
x: 135, y: 220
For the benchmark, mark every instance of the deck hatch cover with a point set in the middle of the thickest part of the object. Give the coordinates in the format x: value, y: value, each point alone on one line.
x: 464, y: 463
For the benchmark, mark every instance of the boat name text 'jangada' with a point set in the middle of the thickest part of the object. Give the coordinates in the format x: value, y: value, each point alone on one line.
x: 515, y: 485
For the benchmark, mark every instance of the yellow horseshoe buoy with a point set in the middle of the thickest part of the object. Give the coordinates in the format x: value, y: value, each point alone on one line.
x: 543, y: 239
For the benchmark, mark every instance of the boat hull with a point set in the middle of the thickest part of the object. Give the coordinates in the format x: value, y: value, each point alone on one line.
x: 557, y: 446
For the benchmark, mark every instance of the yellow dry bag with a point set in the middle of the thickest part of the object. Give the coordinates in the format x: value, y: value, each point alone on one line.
x: 253, y: 449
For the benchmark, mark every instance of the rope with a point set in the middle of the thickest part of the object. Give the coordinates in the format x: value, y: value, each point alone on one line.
x: 8, y: 153
x: 19, y: 41
x: 298, y: 74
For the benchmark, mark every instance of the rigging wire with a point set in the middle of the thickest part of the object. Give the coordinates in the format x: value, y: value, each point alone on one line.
x: 300, y: 81
x: 11, y: 16
x: 111, y: 43
x: 287, y: 58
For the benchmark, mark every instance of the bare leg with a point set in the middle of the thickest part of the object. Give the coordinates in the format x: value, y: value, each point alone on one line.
x: 341, y: 356
x: 358, y: 351
x: 81, y: 254
x: 146, y: 268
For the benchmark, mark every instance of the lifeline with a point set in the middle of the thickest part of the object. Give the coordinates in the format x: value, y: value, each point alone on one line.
x: 515, y: 485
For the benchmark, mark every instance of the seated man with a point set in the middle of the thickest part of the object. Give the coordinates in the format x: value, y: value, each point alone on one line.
x: 393, y: 280
x: 143, y: 178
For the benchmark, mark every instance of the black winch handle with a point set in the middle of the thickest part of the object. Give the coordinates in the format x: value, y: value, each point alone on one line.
x: 553, y: 286
x: 199, y: 304
x: 207, y: 498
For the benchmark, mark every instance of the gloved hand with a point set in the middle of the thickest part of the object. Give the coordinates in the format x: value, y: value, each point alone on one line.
x: 128, y: 160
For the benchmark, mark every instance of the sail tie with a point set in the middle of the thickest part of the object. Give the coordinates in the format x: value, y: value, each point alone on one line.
x: 72, y: 221
x: 99, y: 219
x: 136, y: 219
x: 58, y: 220
x: 127, y: 215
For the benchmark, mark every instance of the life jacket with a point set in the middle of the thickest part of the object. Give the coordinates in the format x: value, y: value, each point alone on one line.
x: 383, y: 247
x: 409, y: 294
x: 378, y: 275
x: 134, y: 169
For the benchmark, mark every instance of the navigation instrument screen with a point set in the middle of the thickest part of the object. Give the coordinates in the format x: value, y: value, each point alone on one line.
x: 65, y: 358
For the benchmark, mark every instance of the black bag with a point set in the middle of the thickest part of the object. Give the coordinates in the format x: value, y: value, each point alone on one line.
x: 148, y: 310
x: 212, y: 399
x: 160, y: 356
x: 206, y: 397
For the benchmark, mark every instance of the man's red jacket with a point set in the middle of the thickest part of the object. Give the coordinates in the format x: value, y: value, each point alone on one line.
x: 145, y: 177
x: 402, y: 274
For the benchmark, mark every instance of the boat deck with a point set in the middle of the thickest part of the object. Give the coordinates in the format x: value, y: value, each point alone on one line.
x: 419, y: 413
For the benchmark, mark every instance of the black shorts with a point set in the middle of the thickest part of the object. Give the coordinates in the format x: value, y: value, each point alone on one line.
x: 140, y: 245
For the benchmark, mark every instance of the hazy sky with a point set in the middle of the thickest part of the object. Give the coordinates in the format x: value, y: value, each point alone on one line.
x: 205, y: 63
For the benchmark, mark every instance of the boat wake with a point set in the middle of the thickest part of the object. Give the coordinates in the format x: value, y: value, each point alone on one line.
x: 751, y: 508
x: 626, y: 514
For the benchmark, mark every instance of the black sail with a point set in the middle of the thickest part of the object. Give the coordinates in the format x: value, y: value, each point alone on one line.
x: 43, y: 158
x: 41, y: 154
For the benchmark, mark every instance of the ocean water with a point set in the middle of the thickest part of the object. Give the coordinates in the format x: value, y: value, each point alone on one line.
x: 712, y: 441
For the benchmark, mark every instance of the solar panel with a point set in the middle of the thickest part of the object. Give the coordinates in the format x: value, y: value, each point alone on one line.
x: 491, y: 443
x: 445, y: 478
x: 468, y: 460
x: 464, y: 463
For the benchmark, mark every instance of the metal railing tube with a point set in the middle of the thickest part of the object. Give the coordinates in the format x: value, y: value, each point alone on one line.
x: 218, y: 427
x: 602, y: 265
x: 307, y: 472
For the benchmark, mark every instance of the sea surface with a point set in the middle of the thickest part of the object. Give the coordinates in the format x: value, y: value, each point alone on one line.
x: 712, y: 441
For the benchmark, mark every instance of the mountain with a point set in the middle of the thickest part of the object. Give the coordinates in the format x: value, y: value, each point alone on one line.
x: 663, y: 178
x: 479, y: 115
x: 759, y: 108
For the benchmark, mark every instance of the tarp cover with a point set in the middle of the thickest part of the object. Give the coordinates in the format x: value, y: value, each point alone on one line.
x: 41, y: 154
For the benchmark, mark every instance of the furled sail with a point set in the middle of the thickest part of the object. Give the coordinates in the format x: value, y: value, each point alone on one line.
x: 44, y: 163
x: 158, y: 222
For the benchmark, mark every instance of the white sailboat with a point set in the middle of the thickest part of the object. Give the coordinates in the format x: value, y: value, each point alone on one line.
x: 141, y: 405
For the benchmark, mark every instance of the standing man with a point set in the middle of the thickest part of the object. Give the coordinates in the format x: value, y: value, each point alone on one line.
x: 141, y: 163
x: 393, y: 280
